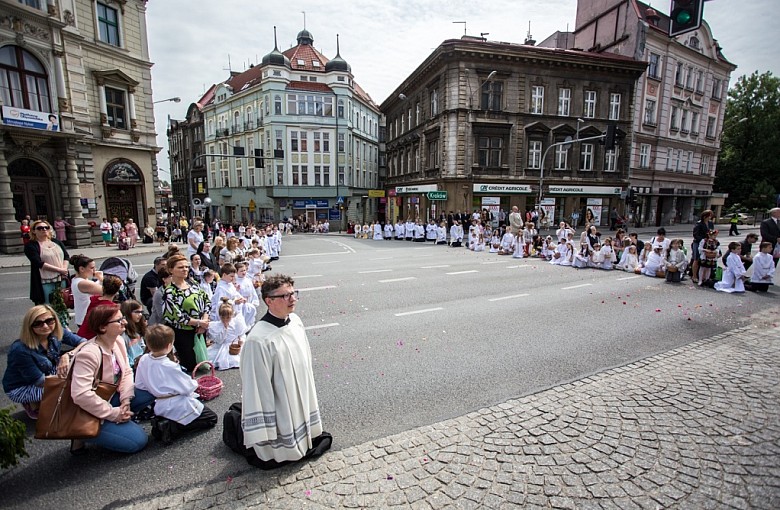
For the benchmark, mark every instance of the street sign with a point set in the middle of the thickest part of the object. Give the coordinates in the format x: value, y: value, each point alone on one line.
x: 436, y: 195
x: 340, y: 200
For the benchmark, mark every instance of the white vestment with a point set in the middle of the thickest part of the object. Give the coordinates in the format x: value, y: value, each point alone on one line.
x: 763, y: 268
x: 732, y: 275
x: 246, y: 288
x: 225, y: 290
x: 173, y: 389
x: 219, y: 351
x: 280, y: 414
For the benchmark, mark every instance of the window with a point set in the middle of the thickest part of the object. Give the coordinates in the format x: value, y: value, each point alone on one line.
x: 108, y: 24
x: 433, y: 154
x: 669, y: 155
x: 684, y: 122
x: 535, y: 154
x: 561, y: 157
x: 687, y: 158
x: 317, y: 142
x: 490, y: 148
x: 710, y: 127
x: 409, y: 121
x: 31, y: 3
x: 650, y: 112
x: 296, y: 175
x: 537, y: 100
x: 678, y: 74
x: 325, y: 142
x: 317, y: 175
x: 294, y: 141
x: 564, y: 102
x: 326, y: 175
x: 341, y: 175
x: 115, y: 108
x: 239, y: 173
x: 699, y: 81
x: 644, y: 155
x: 586, y: 157
x: 694, y: 123
x: 278, y: 137
x: 590, y: 104
x: 717, y: 88
x: 704, y: 168
x: 610, y: 161
x: 434, y: 102
x: 417, y: 114
x: 341, y: 108
x: 277, y: 105
x: 23, y: 80
x: 614, y: 106
x: 674, y: 123
x: 279, y: 175
x: 653, y: 70
x: 689, y: 78
x: 492, y: 95
x: 341, y: 142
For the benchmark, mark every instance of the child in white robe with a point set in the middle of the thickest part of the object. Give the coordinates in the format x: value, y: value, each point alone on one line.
x: 400, y: 228
x: 629, y: 261
x: 229, y: 329
x: 358, y: 231
x: 734, y: 273
x: 480, y: 244
x: 569, y: 258
x: 441, y: 233
x: 507, y: 243
x: 207, y: 283
x: 608, y: 257
x: 246, y: 287
x: 177, y: 408
x: 456, y: 235
x: 430, y: 231
x: 763, y: 268
x: 518, y: 246
x: 655, y: 262
x: 495, y: 242
x: 561, y: 254
x: 581, y: 259
x: 548, y: 247
x: 377, y: 231
x: 388, y: 231
x: 226, y: 288
x: 596, y: 258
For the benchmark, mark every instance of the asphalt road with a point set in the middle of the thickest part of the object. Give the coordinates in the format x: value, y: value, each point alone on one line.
x: 403, y: 335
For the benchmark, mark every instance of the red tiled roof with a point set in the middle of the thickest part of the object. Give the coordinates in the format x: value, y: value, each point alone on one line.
x: 307, y: 54
x: 309, y: 86
x: 364, y: 95
x: 207, y: 97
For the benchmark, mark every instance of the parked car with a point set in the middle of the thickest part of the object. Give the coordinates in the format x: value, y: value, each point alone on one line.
x: 743, y: 219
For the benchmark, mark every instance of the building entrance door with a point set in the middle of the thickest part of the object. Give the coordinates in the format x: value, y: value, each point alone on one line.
x: 122, y: 203
x: 31, y: 192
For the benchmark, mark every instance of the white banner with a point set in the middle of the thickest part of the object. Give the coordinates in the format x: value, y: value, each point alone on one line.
x: 30, y: 119
x: 501, y: 188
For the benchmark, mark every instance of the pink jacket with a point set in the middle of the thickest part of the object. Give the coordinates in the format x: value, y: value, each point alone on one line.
x: 86, y: 365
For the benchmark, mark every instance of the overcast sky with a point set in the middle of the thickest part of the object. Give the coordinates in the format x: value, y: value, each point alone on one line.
x: 193, y: 43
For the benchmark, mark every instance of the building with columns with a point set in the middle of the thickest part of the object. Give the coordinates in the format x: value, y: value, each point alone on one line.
x: 317, y: 132
x: 77, y: 136
x: 680, y: 104
x: 480, y: 124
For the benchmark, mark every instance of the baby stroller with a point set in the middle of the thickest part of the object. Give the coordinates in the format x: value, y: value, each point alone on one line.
x: 123, y: 269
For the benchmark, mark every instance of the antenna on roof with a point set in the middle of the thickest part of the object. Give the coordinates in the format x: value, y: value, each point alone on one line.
x: 276, y: 47
x: 529, y: 38
x: 304, y: 19
x: 464, y: 25
x: 229, y: 67
x: 337, y: 45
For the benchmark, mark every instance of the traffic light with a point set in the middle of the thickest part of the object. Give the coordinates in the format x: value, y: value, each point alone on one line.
x: 631, y: 198
x: 609, y: 138
x: 685, y: 16
x: 259, y: 161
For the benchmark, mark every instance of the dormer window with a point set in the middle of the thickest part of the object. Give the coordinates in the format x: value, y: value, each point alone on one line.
x: 301, y: 62
x: 315, y: 63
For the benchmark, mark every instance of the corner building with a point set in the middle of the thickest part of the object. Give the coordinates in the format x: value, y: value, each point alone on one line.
x: 680, y: 105
x: 318, y: 131
x: 77, y: 137
x: 476, y: 118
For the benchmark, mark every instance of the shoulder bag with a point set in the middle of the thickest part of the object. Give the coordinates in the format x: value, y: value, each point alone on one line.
x: 59, y: 417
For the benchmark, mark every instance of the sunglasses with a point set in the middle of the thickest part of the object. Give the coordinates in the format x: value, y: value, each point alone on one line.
x: 51, y: 321
x: 42, y: 227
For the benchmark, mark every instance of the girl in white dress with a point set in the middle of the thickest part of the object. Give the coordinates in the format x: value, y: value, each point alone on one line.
x: 629, y: 261
x: 655, y: 265
x: 581, y: 259
x: 734, y: 273
x: 229, y: 329
x: 608, y: 257
x: 596, y: 258
x: 763, y: 268
x: 518, y: 246
x: 207, y: 283
x: 480, y: 244
x: 548, y: 247
x: 675, y: 261
x: 227, y: 288
x: 569, y: 257
x: 561, y: 255
x: 495, y: 242
x: 358, y: 231
x: 246, y: 287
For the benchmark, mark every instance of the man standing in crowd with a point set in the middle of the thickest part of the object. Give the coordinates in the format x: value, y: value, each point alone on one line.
x: 770, y: 229
x: 515, y: 221
x: 150, y: 282
x: 280, y: 412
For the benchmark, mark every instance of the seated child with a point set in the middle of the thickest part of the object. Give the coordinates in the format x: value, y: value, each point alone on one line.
x: 582, y: 258
x: 495, y: 242
x: 763, y: 269
x: 675, y: 261
x: 177, y: 408
x: 230, y: 328
x: 734, y: 274
x: 629, y: 261
x: 507, y: 243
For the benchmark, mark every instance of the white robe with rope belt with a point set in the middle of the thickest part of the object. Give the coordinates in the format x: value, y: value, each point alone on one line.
x: 280, y: 413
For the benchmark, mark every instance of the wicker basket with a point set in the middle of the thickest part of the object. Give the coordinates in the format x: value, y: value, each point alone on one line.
x: 234, y: 348
x: 209, y: 386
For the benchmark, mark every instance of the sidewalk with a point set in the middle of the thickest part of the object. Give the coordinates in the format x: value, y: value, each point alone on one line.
x: 695, y: 427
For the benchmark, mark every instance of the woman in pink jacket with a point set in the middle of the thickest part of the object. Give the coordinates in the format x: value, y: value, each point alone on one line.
x: 105, y: 357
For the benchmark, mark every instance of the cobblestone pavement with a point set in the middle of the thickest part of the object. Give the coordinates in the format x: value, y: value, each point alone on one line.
x: 695, y: 427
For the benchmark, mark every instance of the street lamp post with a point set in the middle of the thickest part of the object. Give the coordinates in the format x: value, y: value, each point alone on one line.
x: 176, y: 99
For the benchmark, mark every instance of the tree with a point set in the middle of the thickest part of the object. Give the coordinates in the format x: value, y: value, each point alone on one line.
x: 749, y: 165
x: 13, y: 434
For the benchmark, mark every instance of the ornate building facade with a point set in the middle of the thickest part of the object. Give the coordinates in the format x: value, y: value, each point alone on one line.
x: 681, y: 103
x: 77, y: 137
x: 474, y: 125
x: 188, y: 166
x: 316, y: 131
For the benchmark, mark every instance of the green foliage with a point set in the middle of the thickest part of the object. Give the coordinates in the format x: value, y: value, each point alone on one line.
x: 13, y: 434
x: 749, y: 164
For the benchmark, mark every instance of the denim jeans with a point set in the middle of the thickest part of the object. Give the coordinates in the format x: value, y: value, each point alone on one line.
x: 128, y: 437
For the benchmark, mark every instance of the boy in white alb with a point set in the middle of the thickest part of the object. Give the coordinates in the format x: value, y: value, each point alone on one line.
x: 177, y: 408
x: 763, y: 269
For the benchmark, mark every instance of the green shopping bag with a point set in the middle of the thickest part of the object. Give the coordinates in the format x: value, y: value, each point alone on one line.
x: 201, y: 354
x: 719, y: 274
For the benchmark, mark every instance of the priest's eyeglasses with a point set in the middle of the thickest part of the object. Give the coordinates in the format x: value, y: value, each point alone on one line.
x: 285, y: 296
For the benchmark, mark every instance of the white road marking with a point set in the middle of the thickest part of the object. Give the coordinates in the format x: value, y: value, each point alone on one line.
x: 464, y: 272
x: 318, y: 288
x: 315, y: 254
x: 418, y: 311
x: 398, y: 279
x: 434, y: 267
x: 12, y: 298
x: 20, y: 272
x: 307, y: 276
x: 508, y: 297
x: 376, y: 271
x: 346, y: 247
x: 629, y: 277
x: 494, y: 262
x: 320, y: 326
x: 329, y: 262
x: 577, y: 286
x: 383, y: 258
x: 515, y: 267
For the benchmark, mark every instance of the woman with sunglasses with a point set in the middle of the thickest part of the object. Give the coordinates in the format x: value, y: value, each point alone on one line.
x: 86, y: 283
x: 48, y: 262
x: 104, y: 359
x: 35, y: 355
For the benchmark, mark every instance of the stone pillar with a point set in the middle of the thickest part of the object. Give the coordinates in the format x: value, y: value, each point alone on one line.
x: 10, y: 236
x: 79, y: 234
x: 59, y: 74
